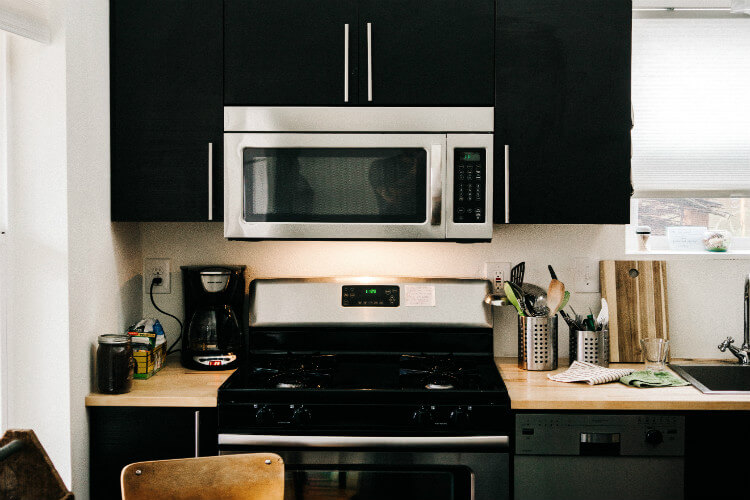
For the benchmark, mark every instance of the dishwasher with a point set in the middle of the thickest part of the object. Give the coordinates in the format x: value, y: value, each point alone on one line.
x: 599, y: 456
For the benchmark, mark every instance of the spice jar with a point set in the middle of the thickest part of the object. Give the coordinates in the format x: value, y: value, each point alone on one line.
x: 114, y: 364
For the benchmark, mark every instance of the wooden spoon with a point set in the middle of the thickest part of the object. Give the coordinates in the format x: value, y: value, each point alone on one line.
x: 555, y: 295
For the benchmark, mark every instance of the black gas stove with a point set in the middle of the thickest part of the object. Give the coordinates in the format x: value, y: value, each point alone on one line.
x: 343, y: 393
x: 359, y: 393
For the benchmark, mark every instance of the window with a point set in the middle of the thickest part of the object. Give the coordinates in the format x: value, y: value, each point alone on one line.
x: 691, y: 135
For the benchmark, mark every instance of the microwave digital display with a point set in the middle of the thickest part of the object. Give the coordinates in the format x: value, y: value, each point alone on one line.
x: 470, y: 156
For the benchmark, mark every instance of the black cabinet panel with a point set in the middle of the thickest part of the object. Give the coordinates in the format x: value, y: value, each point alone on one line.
x: 122, y: 435
x: 437, y: 53
x: 166, y: 107
x: 563, y: 108
x: 289, y: 52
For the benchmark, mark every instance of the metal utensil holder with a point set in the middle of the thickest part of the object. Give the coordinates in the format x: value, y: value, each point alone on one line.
x: 537, y: 342
x: 591, y: 347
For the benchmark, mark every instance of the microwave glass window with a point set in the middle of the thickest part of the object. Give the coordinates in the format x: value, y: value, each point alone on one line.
x: 368, y: 185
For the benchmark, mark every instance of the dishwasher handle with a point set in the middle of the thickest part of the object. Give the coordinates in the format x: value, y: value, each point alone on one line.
x: 600, y: 444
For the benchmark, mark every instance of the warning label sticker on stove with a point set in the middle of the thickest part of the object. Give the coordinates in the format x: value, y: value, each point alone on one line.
x: 419, y: 295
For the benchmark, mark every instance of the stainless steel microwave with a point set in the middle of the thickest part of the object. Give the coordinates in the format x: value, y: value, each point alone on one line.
x: 358, y: 173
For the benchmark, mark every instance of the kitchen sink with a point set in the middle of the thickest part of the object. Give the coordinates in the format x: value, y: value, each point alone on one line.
x: 716, y: 379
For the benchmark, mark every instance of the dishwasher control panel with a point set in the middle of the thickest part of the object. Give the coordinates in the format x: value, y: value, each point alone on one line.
x: 600, y: 435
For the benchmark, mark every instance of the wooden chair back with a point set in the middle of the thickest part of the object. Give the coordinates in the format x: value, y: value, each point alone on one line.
x: 253, y: 476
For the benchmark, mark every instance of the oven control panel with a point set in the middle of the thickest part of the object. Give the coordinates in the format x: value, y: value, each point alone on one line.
x: 469, y: 185
x: 370, y: 296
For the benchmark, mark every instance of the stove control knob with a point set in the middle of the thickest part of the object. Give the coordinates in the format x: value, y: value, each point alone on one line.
x: 654, y: 437
x: 459, y: 417
x: 301, y: 416
x: 423, y: 417
x: 265, y: 416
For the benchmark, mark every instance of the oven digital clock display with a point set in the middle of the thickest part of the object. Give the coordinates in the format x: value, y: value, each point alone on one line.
x: 370, y: 296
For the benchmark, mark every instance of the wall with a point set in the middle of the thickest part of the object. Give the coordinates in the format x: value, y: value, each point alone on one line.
x: 104, y: 258
x: 37, y: 328
x: 698, y: 286
x: 73, y: 274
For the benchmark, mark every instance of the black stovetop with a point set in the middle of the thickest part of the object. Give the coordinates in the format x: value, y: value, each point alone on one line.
x: 376, y: 377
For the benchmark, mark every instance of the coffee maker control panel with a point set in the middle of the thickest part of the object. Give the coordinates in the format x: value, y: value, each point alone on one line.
x: 370, y: 296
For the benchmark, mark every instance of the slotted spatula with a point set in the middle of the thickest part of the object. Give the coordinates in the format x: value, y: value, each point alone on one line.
x: 516, y: 274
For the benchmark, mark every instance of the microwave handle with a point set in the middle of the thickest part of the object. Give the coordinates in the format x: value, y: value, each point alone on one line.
x: 436, y: 184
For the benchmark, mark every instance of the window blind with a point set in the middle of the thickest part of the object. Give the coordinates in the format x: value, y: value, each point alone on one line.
x: 691, y: 100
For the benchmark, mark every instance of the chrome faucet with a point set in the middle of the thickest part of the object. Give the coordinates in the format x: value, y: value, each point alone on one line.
x: 743, y: 353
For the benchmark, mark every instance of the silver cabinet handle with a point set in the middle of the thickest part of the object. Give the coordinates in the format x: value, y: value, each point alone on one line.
x: 369, y: 61
x: 507, y: 184
x: 197, y: 432
x: 346, y: 63
x: 210, y: 181
x: 436, y: 184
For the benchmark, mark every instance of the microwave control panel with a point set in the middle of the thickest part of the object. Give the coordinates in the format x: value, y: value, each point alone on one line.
x: 370, y: 296
x: 469, y: 185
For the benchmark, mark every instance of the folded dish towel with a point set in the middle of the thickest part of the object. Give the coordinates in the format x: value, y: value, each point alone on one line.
x: 646, y: 379
x: 580, y: 371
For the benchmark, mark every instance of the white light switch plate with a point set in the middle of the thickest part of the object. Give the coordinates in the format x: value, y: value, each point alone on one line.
x: 157, y: 268
x: 586, y: 272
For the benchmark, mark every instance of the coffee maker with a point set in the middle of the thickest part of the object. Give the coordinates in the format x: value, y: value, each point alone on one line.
x: 214, y: 299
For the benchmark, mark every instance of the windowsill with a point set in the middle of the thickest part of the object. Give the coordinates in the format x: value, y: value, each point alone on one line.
x: 730, y: 254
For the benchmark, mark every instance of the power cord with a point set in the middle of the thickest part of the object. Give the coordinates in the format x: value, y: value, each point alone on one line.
x: 157, y: 281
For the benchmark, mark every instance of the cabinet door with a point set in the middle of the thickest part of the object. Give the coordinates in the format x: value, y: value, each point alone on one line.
x: 563, y: 108
x: 290, y: 52
x: 119, y: 436
x: 166, y: 108
x: 437, y: 53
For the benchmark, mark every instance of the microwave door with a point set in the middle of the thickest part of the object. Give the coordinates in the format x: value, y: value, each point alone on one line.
x: 334, y: 186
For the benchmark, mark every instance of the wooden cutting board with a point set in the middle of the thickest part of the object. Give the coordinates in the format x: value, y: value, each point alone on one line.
x: 636, y: 292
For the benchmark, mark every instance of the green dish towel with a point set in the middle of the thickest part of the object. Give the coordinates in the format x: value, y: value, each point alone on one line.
x: 645, y: 379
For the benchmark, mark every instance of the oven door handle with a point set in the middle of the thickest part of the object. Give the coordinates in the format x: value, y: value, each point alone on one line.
x: 384, y: 442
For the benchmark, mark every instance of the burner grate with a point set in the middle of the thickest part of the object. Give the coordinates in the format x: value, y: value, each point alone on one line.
x: 436, y: 373
x: 295, y: 371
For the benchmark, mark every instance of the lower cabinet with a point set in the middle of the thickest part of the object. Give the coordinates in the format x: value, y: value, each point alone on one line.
x: 715, y: 454
x: 119, y: 436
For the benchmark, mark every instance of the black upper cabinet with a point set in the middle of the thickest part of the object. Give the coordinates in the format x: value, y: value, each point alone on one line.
x: 166, y: 108
x: 563, y: 110
x: 437, y: 53
x: 294, y: 52
x: 289, y: 52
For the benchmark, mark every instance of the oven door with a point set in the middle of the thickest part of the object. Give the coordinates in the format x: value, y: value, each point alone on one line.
x: 392, y: 468
x: 334, y: 186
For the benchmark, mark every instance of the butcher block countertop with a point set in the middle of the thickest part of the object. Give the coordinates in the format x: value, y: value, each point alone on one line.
x: 180, y: 387
x: 532, y: 390
x: 173, y: 385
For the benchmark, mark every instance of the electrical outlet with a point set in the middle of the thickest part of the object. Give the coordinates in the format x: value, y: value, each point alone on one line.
x: 497, y: 273
x: 157, y: 268
x: 586, y: 272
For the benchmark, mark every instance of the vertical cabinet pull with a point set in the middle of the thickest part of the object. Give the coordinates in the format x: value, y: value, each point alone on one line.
x: 507, y: 183
x: 369, y: 62
x: 346, y: 63
x: 197, y: 432
x: 210, y: 181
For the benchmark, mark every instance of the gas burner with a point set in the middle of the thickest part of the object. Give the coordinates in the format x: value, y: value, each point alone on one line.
x: 438, y: 387
x: 295, y: 371
x: 436, y: 373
